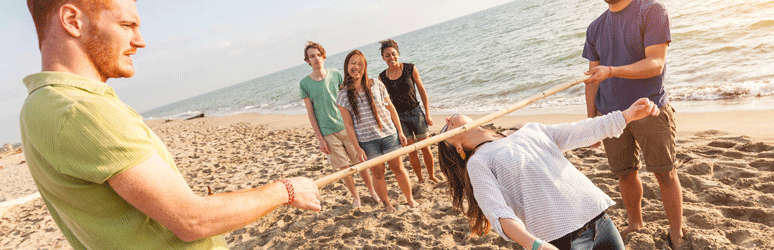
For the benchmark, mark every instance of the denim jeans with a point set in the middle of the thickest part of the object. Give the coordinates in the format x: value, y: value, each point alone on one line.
x: 599, y: 234
x: 377, y: 147
x: 413, y: 124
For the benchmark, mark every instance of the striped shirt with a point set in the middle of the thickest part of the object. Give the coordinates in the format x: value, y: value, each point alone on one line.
x: 366, y: 128
x: 76, y: 135
x: 525, y: 177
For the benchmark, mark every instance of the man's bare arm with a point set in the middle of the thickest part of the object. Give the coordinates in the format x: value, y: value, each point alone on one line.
x: 313, y: 120
x: 155, y: 189
x: 652, y: 65
x: 591, y: 93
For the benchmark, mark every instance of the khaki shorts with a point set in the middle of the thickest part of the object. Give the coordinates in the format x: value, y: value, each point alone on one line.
x: 654, y: 135
x: 342, y: 151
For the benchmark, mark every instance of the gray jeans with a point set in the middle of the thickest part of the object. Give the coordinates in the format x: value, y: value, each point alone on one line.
x: 599, y: 234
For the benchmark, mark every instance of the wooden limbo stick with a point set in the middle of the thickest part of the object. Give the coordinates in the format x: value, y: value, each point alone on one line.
x: 443, y: 136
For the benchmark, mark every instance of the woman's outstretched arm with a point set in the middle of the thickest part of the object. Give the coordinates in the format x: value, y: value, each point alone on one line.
x: 568, y: 136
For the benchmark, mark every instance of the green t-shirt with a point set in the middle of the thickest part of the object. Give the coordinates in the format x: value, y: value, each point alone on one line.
x: 76, y: 135
x: 323, y: 95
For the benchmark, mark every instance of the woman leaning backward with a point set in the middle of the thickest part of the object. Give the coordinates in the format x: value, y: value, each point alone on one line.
x: 522, y: 185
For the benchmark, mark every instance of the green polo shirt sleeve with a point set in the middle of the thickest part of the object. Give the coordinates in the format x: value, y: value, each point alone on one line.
x: 98, y: 140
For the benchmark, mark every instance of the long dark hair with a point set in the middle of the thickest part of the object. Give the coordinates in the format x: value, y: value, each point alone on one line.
x: 365, y: 83
x: 460, y: 189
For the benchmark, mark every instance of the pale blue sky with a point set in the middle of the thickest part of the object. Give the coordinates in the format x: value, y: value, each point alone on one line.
x: 197, y: 46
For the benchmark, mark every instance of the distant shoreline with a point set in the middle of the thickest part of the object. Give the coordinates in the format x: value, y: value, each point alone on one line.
x: 698, y: 106
x: 753, y: 123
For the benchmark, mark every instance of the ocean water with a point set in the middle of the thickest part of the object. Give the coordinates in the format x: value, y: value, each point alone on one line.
x: 721, y: 57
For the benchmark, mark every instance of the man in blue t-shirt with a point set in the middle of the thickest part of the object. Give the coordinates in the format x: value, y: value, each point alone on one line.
x: 626, y: 47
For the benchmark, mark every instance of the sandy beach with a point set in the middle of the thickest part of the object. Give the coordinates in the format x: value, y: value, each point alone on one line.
x: 726, y: 167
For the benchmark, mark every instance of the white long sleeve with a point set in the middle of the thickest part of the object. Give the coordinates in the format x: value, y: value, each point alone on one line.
x: 569, y: 136
x: 526, y: 177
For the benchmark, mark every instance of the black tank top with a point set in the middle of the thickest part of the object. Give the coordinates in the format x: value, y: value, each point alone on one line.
x: 402, y: 90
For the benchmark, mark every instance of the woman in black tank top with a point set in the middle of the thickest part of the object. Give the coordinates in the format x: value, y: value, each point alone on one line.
x: 402, y: 82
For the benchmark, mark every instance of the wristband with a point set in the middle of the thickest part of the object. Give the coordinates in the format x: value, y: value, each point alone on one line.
x: 289, y: 187
x: 611, y: 71
x: 537, y: 244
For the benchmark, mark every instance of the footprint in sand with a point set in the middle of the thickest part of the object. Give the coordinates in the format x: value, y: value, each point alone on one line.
x: 709, y: 152
x: 733, y: 170
x: 767, y: 188
x: 757, y: 215
x: 763, y: 164
x: 700, y: 168
x: 705, y: 218
x: 725, y: 197
x: 734, y: 154
x: 686, y: 157
x: 754, y: 147
x: 722, y: 144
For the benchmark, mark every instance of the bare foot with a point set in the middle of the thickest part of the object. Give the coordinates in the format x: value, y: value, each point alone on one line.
x: 675, y: 240
x: 356, y: 204
x: 375, y: 196
x: 412, y: 203
x: 435, y: 180
x: 421, y: 180
x: 389, y: 209
x: 630, y: 228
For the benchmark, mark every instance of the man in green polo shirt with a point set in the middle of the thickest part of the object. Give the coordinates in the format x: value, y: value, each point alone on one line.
x: 319, y: 90
x: 107, y: 180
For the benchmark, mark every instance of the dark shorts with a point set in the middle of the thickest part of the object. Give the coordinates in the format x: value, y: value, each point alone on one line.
x: 654, y: 135
x: 377, y: 147
x: 413, y: 124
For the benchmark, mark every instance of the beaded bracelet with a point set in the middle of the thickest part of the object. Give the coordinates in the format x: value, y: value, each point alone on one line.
x: 289, y: 187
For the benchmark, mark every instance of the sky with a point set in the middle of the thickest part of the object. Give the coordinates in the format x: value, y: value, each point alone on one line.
x: 196, y: 46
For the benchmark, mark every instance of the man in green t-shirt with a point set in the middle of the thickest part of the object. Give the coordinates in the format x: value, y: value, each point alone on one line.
x: 107, y: 180
x: 319, y: 90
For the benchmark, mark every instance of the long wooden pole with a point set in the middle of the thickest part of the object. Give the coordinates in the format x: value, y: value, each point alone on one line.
x: 443, y: 136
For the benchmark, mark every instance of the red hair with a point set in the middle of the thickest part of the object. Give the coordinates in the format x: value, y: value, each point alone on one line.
x: 313, y: 45
x: 43, y: 10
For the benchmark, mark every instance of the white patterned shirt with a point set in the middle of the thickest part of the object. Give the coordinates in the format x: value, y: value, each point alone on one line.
x: 366, y: 128
x: 525, y: 177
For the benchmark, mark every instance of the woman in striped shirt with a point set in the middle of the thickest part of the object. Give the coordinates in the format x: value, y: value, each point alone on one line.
x: 370, y: 118
x: 520, y: 183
